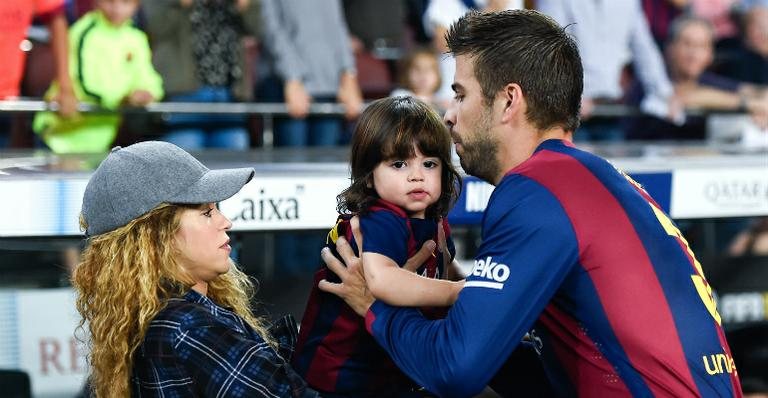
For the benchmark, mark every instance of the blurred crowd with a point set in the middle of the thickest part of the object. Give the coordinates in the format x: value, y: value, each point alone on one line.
x: 685, y: 65
x: 685, y: 70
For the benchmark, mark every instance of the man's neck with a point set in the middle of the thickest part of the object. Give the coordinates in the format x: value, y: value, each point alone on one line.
x: 520, y: 147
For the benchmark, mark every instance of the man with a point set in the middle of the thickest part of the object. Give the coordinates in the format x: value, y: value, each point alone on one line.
x: 571, y: 246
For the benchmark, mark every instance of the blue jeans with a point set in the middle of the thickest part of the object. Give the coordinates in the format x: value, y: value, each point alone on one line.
x: 313, y: 131
x: 198, y: 131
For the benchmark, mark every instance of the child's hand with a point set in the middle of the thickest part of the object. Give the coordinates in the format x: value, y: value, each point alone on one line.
x: 139, y: 98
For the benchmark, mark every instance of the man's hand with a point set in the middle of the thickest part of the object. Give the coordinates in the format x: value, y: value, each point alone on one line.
x: 297, y: 100
x: 352, y: 288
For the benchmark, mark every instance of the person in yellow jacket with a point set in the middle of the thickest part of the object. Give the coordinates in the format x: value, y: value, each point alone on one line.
x: 110, y: 63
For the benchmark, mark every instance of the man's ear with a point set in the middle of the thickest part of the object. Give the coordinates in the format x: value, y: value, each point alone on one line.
x: 512, y: 99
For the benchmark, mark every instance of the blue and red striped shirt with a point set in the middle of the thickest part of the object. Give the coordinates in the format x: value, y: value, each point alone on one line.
x: 576, y: 250
x: 334, y: 353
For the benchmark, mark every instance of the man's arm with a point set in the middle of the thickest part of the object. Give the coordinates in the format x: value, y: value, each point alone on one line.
x: 528, y: 249
x: 352, y: 288
x: 715, y: 99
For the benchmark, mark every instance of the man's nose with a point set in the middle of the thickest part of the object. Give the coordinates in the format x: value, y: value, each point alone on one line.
x: 450, y: 115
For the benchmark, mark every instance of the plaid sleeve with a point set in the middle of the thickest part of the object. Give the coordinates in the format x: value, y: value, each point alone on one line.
x: 225, y: 363
x: 285, y: 332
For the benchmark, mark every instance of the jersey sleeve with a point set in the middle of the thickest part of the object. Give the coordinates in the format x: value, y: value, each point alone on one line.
x: 385, y: 233
x: 528, y: 249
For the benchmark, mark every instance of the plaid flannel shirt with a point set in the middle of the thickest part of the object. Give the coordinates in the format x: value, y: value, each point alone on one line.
x: 196, y: 348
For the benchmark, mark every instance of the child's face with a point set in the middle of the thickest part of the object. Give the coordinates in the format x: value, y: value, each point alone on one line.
x: 117, y: 12
x: 413, y: 184
x: 424, y: 75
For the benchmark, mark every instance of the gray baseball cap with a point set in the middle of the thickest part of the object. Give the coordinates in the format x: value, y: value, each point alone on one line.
x: 133, y: 180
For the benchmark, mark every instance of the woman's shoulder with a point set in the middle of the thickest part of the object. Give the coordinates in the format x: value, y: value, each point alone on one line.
x: 179, y: 312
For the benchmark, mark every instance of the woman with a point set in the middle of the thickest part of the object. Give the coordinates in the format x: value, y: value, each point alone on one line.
x: 167, y: 311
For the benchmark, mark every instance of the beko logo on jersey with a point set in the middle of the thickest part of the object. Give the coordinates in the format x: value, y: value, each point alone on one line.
x: 494, y: 273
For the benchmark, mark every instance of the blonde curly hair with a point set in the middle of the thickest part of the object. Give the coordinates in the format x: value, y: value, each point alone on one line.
x: 124, y: 279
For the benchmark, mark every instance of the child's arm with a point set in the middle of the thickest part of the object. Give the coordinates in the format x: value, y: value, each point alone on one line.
x: 396, y: 286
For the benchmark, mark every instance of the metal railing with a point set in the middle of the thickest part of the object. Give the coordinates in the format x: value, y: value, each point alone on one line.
x: 267, y: 110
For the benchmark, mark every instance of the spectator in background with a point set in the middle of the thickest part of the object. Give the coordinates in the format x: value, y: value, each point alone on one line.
x: 440, y: 14
x: 198, y: 51
x: 660, y: 14
x: 15, y: 18
x: 751, y: 63
x: 311, y: 61
x: 419, y: 75
x: 610, y: 34
x: 110, y: 64
x: 689, y: 53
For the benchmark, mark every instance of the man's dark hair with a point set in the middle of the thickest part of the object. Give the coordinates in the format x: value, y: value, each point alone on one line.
x: 528, y: 48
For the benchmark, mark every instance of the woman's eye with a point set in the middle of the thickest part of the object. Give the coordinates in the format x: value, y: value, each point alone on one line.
x: 208, y: 212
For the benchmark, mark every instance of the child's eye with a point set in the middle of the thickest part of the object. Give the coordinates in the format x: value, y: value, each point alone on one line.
x: 431, y: 164
x: 399, y: 164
